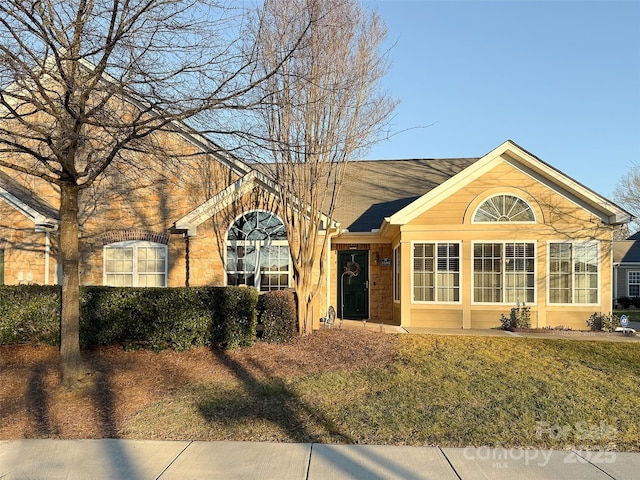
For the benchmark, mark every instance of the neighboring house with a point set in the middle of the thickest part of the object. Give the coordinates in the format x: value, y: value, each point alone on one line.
x: 449, y: 243
x: 626, y: 265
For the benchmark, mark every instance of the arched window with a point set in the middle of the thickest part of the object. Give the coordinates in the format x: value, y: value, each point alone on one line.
x: 504, y: 208
x: 258, y: 252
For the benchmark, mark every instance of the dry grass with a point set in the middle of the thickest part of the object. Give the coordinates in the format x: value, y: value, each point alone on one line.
x: 121, y: 384
x: 340, y: 386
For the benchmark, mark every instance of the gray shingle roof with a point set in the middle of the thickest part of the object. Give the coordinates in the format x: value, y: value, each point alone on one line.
x: 27, y: 197
x: 626, y: 251
x: 375, y: 189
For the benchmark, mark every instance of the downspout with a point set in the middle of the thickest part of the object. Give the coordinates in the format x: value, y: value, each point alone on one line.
x: 328, y: 274
x: 47, y: 253
x: 614, y: 273
x: 186, y: 260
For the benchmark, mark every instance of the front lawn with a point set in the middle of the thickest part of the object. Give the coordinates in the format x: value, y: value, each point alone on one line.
x: 633, y: 315
x: 341, y: 386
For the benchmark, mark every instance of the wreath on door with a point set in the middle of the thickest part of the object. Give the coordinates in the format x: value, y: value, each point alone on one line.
x: 352, y: 268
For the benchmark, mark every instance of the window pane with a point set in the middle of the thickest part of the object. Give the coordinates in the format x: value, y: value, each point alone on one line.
x: 119, y: 259
x: 114, y: 280
x: 574, y: 273
x: 250, y: 249
x: 504, y: 208
x: 519, y: 273
x: 560, y: 278
x: 634, y: 284
x: 125, y: 266
x: 487, y: 266
x: 151, y: 280
x: 429, y: 258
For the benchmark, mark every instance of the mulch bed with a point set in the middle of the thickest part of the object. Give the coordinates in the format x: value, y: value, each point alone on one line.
x: 119, y: 383
x: 568, y: 332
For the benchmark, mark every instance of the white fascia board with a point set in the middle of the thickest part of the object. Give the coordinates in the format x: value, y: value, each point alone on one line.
x: 360, y: 237
x: 609, y: 211
x: 444, y: 190
x: 227, y: 196
x: 564, y: 185
x: 220, y: 200
x: 570, y: 188
x: 37, y: 218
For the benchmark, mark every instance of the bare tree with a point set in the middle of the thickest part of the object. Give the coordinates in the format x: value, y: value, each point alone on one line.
x: 628, y: 195
x: 322, y: 108
x: 87, y: 83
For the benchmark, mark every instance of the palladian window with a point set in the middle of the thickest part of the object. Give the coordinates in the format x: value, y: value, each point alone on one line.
x: 258, y: 252
x: 504, y: 208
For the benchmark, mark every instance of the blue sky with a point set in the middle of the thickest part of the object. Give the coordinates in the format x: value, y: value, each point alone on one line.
x: 560, y: 78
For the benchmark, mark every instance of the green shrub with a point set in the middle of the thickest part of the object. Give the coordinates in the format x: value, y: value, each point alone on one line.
x: 519, y: 317
x: 600, y: 321
x: 635, y: 301
x: 236, y: 317
x: 155, y: 318
x: 30, y: 314
x: 277, y: 316
x: 623, y: 302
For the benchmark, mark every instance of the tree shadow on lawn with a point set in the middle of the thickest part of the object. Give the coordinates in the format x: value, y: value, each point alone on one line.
x: 38, y: 403
x: 268, y: 400
x: 44, y: 399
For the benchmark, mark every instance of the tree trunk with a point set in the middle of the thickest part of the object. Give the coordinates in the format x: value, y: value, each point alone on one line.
x: 71, y: 363
x: 304, y: 292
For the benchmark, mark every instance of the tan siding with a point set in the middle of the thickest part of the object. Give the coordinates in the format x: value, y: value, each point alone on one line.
x: 436, y: 317
x: 559, y: 219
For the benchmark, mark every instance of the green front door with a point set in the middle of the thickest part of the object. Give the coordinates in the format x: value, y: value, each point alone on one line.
x: 353, y: 284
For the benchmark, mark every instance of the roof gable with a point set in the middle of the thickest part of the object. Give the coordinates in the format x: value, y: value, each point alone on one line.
x: 375, y: 189
x: 26, y: 202
x: 189, y: 223
x: 529, y: 164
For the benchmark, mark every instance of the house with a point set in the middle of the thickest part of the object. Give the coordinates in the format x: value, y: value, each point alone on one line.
x: 626, y: 267
x: 449, y: 243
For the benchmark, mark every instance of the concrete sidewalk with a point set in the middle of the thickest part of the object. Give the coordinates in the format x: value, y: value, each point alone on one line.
x: 183, y: 460
x: 496, y: 332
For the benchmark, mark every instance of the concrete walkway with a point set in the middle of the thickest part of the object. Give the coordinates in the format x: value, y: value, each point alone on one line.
x: 181, y: 460
x: 495, y: 332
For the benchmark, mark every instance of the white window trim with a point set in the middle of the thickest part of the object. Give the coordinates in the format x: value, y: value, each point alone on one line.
x: 629, y: 272
x: 504, y: 242
x: 460, y: 278
x: 135, y: 244
x: 258, y: 246
x: 528, y: 222
x: 397, y: 274
x: 599, y: 263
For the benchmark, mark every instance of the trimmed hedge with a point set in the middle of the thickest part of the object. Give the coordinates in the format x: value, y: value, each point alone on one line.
x: 30, y: 314
x: 277, y: 316
x: 155, y: 318
x: 236, y: 316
